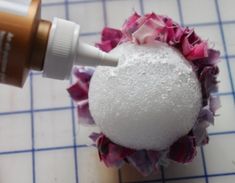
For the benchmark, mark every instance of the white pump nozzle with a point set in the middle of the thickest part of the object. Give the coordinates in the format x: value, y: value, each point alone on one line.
x: 64, y: 50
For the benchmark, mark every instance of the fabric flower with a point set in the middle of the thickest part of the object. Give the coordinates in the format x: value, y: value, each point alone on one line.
x: 143, y: 30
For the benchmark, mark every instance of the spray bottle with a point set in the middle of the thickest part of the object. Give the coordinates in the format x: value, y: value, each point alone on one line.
x: 29, y: 43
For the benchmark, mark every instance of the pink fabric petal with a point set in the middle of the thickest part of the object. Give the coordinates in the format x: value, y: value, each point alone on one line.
x: 111, y: 34
x: 78, y: 91
x: 84, y: 74
x: 131, y: 25
x: 186, y: 47
x: 110, y: 39
x: 174, y: 32
x: 131, y: 21
x: 175, y: 37
x: 149, y: 31
x: 198, y: 51
x: 107, y: 46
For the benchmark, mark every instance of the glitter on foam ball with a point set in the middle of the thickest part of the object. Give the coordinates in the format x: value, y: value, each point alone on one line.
x: 149, y: 101
x: 157, y: 111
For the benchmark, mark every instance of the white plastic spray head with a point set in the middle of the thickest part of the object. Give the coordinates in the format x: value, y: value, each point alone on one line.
x: 64, y: 50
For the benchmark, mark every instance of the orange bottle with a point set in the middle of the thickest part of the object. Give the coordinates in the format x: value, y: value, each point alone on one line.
x: 29, y: 43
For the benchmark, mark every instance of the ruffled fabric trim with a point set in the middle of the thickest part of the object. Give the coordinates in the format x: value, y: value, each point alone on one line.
x: 143, y: 30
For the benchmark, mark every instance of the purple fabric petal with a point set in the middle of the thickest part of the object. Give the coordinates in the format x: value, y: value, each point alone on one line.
x: 200, y: 133
x: 214, y: 103
x: 208, y: 81
x: 154, y: 157
x: 206, y: 115
x: 140, y: 160
x: 211, y: 60
x: 205, y: 119
x: 213, y: 57
x: 184, y: 150
x: 84, y: 114
x: 95, y: 136
x: 164, y: 158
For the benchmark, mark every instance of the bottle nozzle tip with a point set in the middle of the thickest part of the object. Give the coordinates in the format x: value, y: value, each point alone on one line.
x: 109, y: 60
x: 92, y: 56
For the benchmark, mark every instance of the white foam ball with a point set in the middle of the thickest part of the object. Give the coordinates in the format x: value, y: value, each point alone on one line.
x: 149, y: 101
